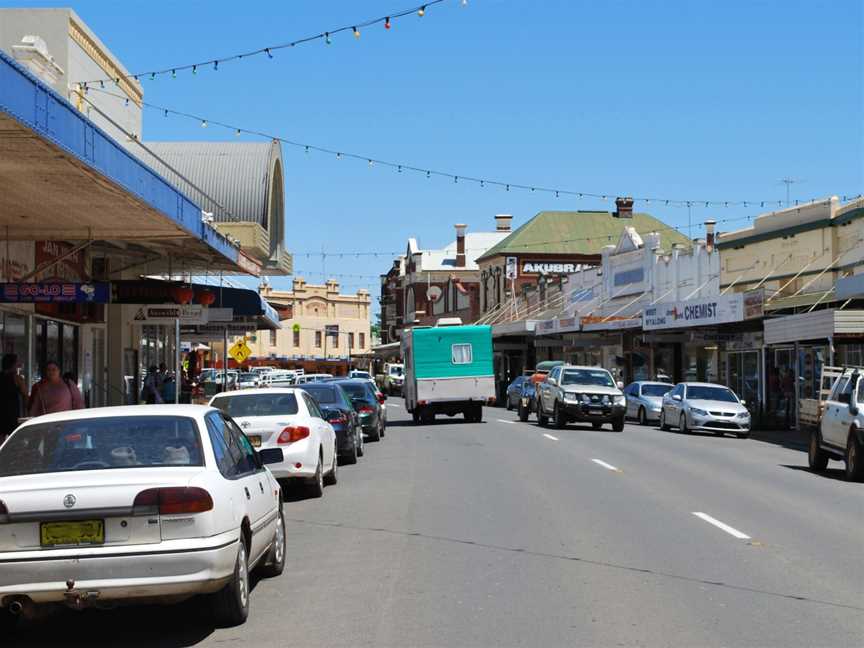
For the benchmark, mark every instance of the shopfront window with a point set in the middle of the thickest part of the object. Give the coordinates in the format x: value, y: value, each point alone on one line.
x: 743, y: 377
x: 700, y: 363
x: 780, y: 388
x: 57, y: 342
x: 13, y: 336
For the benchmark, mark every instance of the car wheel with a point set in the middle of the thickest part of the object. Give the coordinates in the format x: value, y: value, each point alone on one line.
x: 274, y: 565
x: 558, y: 417
x: 332, y: 477
x: 351, y: 457
x: 523, y: 413
x: 376, y: 435
x: 682, y: 424
x: 817, y: 458
x: 231, y: 603
x: 854, y: 460
x: 383, y: 428
x: 663, y: 425
x: 643, y: 419
x: 478, y: 414
x: 618, y: 424
x: 415, y: 416
x: 316, y: 486
x: 509, y: 403
x: 359, y: 442
x: 596, y: 425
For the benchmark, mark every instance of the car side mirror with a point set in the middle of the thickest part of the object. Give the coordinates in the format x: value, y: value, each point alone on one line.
x: 551, y: 381
x: 270, y: 456
x: 620, y: 384
x: 743, y: 402
x: 676, y: 397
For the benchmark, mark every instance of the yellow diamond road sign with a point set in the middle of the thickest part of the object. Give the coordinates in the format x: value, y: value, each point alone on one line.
x: 240, y: 351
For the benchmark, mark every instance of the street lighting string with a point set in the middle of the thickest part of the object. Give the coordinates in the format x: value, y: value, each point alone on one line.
x: 455, y: 178
x: 213, y: 63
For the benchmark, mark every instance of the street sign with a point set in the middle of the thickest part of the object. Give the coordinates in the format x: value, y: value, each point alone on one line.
x: 240, y: 351
x: 169, y: 313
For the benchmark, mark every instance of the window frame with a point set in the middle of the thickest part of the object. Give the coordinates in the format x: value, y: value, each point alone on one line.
x: 461, y: 346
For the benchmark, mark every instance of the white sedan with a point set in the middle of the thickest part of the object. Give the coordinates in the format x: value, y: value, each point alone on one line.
x: 288, y: 419
x: 135, y: 504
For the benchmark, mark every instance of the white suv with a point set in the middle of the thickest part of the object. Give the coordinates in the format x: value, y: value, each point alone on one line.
x: 841, y: 431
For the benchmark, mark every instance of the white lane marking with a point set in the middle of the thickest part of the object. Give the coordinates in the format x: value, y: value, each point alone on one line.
x: 720, y: 525
x: 607, y: 466
x: 508, y: 422
x: 549, y: 436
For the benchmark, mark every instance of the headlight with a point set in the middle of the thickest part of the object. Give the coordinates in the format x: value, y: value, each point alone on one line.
x: 744, y: 415
x: 571, y: 398
x: 698, y: 412
x: 621, y: 400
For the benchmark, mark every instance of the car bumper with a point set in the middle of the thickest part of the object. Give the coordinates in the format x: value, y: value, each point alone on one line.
x: 172, y: 568
x: 603, y: 413
x: 718, y: 424
x: 302, y: 452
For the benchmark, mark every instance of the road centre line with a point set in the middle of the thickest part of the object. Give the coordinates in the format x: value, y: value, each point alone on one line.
x: 607, y: 466
x: 549, y: 436
x: 508, y: 422
x: 720, y: 525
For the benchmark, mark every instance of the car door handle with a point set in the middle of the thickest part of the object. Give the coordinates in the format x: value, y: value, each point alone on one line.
x: 248, y: 496
x: 261, y: 486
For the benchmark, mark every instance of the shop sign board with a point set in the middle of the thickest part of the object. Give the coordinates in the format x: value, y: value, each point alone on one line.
x: 544, y: 267
x: 16, y: 259
x: 706, y: 311
x: 612, y: 324
x: 170, y: 313
x: 754, y: 303
x: 545, y: 326
x: 628, y: 273
x: 54, y: 293
x: 216, y: 331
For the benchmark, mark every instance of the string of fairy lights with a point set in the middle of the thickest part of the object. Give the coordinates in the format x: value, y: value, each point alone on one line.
x: 212, y: 64
x: 481, y: 182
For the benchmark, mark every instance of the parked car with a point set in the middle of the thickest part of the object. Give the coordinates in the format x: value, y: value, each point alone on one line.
x: 692, y: 406
x: 369, y: 406
x: 290, y: 420
x: 356, y: 373
x: 248, y: 380
x: 840, y: 434
x: 394, y: 378
x: 528, y: 402
x: 309, y: 378
x: 278, y: 378
x: 514, y: 392
x: 645, y: 399
x: 339, y: 412
x: 122, y: 504
x: 573, y: 393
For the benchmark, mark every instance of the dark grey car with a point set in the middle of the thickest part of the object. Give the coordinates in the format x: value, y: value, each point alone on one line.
x: 368, y: 404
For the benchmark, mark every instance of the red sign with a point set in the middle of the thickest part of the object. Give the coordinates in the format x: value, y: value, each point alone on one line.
x: 71, y: 268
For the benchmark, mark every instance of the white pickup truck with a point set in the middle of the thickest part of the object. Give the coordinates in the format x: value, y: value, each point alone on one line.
x: 840, y: 434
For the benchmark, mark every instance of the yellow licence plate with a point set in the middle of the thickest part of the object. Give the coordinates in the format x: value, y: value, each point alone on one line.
x: 83, y: 532
x: 255, y: 441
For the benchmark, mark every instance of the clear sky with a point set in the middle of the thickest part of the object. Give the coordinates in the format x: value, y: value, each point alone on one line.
x: 688, y: 99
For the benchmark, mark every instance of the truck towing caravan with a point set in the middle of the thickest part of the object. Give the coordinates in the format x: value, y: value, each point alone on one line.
x: 448, y: 370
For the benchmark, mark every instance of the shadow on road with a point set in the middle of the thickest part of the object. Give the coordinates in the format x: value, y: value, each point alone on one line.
x: 828, y: 473
x: 456, y: 420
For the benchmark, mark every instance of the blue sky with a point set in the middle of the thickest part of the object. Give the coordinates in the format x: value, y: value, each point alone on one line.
x: 690, y: 99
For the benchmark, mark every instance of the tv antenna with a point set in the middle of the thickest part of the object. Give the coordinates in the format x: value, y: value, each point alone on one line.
x: 789, y: 182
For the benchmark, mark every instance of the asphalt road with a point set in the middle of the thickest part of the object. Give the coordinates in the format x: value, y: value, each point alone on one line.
x: 507, y: 534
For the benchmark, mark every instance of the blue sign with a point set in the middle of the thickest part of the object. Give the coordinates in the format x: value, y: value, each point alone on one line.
x: 54, y: 293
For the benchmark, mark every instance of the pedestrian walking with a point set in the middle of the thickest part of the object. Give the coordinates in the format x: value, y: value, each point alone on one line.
x: 54, y: 393
x: 151, y: 393
x: 13, y: 395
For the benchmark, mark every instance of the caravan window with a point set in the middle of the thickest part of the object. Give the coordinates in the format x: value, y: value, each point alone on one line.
x: 462, y: 354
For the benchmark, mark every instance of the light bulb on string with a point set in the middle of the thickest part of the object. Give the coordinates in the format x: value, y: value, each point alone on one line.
x: 464, y: 3
x: 399, y: 168
x: 338, y: 156
x: 203, y: 123
x: 370, y: 162
x: 215, y: 66
x: 428, y: 174
x: 194, y: 69
x: 307, y: 149
x: 152, y: 76
x: 507, y: 187
x: 327, y: 38
x: 101, y: 84
x: 387, y: 22
x: 166, y: 113
x: 237, y: 133
x: 269, y: 53
x: 421, y: 11
x: 356, y: 32
x: 173, y: 74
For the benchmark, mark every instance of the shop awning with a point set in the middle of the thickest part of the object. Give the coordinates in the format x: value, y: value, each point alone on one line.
x: 65, y: 179
x: 816, y: 325
x: 850, y: 287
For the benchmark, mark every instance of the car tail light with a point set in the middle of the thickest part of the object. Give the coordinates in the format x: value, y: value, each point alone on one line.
x: 336, y: 417
x: 381, y: 398
x: 366, y: 409
x: 178, y: 499
x: 292, y: 433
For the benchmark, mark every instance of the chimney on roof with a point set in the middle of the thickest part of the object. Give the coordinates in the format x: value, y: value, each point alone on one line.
x: 709, y: 234
x: 460, y: 245
x: 623, y: 207
x: 503, y: 222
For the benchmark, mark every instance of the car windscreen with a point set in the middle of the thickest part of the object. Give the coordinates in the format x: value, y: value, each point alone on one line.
x: 356, y: 390
x: 102, y: 443
x: 655, y: 390
x: 395, y: 371
x: 361, y: 374
x: 596, y: 377
x: 257, y: 404
x: 322, y: 393
x: 711, y: 394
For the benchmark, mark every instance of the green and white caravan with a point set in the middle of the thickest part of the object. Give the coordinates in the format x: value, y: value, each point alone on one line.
x: 448, y: 370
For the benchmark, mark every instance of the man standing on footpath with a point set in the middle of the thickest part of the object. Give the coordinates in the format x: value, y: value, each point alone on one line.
x: 54, y: 394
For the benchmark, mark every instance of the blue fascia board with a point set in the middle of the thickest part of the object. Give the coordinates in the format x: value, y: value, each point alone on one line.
x: 39, y: 108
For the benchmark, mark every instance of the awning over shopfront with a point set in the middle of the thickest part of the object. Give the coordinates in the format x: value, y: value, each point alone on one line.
x: 817, y: 325
x: 234, y: 308
x: 850, y: 287
x: 64, y: 179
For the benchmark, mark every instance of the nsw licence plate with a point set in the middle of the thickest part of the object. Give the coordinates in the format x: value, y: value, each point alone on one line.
x: 82, y: 532
x: 255, y: 440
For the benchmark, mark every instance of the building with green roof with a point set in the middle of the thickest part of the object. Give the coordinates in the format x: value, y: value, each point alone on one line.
x: 555, y: 243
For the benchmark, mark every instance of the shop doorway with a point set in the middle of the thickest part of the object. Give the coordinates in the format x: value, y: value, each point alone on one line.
x: 780, y: 401
x: 743, y: 373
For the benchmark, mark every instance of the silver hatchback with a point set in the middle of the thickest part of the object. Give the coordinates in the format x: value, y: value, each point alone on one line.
x: 692, y: 406
x: 645, y: 398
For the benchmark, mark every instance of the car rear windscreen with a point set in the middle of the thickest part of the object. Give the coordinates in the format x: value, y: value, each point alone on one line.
x: 321, y: 393
x: 257, y: 404
x: 655, y: 390
x: 102, y: 443
x: 356, y: 390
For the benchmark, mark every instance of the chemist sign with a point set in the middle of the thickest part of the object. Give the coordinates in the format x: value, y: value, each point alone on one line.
x: 720, y: 309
